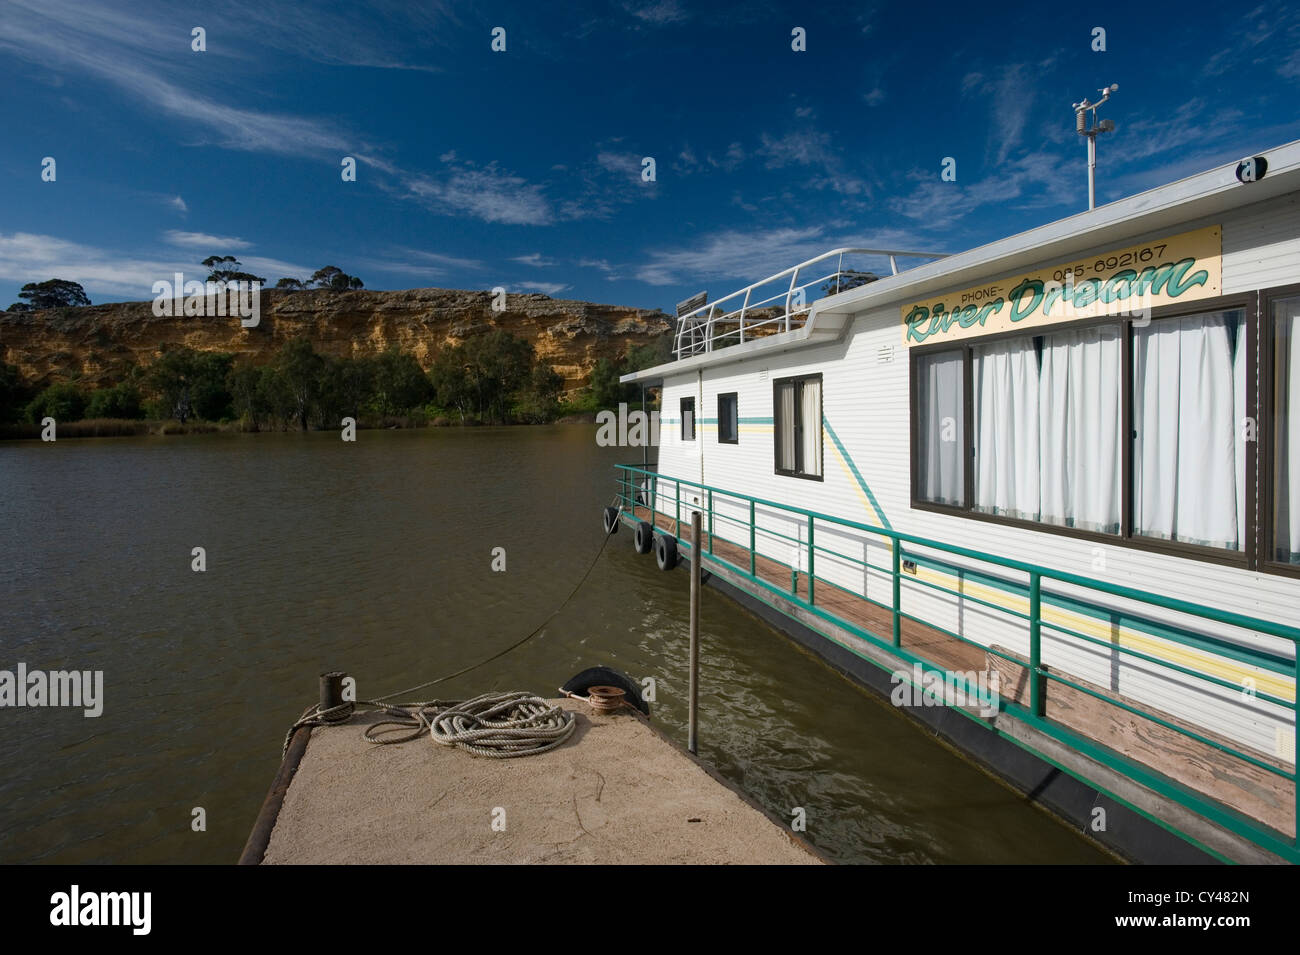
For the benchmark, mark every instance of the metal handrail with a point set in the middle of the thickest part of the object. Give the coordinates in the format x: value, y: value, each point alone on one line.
x: 634, y: 491
x: 688, y: 341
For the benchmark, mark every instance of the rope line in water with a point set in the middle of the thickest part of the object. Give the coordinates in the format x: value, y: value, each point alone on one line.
x: 528, y: 724
x: 592, y: 566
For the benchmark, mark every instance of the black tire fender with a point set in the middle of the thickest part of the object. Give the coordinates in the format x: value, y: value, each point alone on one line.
x: 609, y: 520
x: 643, y: 539
x: 665, y: 551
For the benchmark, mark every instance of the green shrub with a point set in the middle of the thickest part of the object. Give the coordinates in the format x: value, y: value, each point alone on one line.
x: 62, y: 402
x: 120, y: 401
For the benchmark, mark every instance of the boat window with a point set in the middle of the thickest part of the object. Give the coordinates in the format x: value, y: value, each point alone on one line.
x: 1126, y: 429
x: 797, y: 417
x: 1286, y: 431
x: 1189, y: 455
x: 688, y: 419
x: 940, y: 423
x: 1046, y: 423
x: 728, y: 422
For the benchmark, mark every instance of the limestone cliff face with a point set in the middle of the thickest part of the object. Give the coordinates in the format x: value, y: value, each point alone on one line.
x: 100, y: 342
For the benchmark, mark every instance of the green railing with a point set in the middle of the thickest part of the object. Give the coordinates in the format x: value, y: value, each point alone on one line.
x: 639, y: 487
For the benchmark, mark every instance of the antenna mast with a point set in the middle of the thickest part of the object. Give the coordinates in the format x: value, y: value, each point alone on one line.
x: 1081, y: 111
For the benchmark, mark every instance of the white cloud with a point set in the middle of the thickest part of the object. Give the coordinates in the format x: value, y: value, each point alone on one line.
x: 658, y: 12
x: 808, y: 147
x: 486, y: 193
x: 431, y: 265
x: 1036, y: 180
x: 743, y: 256
x: 113, y: 46
x: 545, y: 288
x: 177, y: 203
x: 731, y: 255
x: 202, y: 240
x: 29, y: 257
x: 620, y: 164
x: 1010, y: 98
x: 535, y: 259
x: 602, y: 265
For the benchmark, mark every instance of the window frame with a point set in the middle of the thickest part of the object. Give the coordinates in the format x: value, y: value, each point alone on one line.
x: 1264, y: 430
x: 797, y: 433
x: 1248, y: 558
x: 686, y: 401
x: 735, y: 417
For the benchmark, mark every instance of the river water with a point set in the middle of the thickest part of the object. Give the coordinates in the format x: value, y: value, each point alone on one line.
x: 376, y: 558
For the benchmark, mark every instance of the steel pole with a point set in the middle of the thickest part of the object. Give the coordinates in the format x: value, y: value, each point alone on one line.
x: 692, y: 719
x: 1092, y: 171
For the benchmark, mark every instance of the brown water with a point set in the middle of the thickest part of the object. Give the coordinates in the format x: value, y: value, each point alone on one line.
x: 375, y: 558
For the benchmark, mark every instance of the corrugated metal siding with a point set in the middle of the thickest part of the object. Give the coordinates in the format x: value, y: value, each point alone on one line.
x: 866, y: 405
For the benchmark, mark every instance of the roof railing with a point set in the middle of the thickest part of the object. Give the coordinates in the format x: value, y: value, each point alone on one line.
x: 738, y: 317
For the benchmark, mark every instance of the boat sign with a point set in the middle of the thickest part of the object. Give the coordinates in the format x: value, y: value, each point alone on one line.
x: 1127, y: 281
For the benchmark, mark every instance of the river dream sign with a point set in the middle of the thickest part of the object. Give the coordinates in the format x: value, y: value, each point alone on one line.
x: 1128, y: 281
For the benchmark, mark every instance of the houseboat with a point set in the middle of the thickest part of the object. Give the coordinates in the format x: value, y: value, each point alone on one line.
x: 1043, y: 494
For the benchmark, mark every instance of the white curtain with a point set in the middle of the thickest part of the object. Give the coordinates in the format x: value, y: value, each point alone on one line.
x: 1079, y: 428
x: 941, y: 438
x: 811, y: 424
x: 1006, y: 383
x: 1188, y: 395
x: 785, y: 428
x: 1286, y: 417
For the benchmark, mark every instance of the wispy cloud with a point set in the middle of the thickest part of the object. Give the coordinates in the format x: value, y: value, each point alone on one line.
x: 1009, y: 98
x: 535, y: 259
x: 545, y: 288
x: 387, y: 35
x: 28, y: 257
x: 657, y: 12
x: 113, y: 45
x: 203, y: 240
x: 1257, y: 39
x: 421, y: 263
x: 487, y: 192
x: 731, y: 255
x: 1036, y: 180
x: 812, y: 148
x: 602, y: 265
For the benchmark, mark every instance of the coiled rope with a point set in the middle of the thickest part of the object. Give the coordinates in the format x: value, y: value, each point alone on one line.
x: 496, y: 725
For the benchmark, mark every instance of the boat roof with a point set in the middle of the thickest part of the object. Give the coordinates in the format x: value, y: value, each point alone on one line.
x: 1204, y: 194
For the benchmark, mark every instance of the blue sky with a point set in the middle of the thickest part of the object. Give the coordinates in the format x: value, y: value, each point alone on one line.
x: 523, y: 168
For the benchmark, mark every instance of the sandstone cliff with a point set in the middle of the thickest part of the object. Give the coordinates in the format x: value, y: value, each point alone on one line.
x: 100, y: 342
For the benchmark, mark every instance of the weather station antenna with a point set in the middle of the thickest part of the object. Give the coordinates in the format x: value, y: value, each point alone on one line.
x: 1081, y: 111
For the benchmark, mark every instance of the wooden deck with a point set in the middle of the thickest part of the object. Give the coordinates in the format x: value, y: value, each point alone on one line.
x: 1251, y: 790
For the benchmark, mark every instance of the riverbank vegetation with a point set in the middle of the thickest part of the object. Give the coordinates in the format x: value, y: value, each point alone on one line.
x: 490, y: 378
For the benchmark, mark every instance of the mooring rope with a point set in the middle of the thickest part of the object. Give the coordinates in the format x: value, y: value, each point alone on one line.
x: 495, y: 725
x: 530, y: 724
x: 592, y: 566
